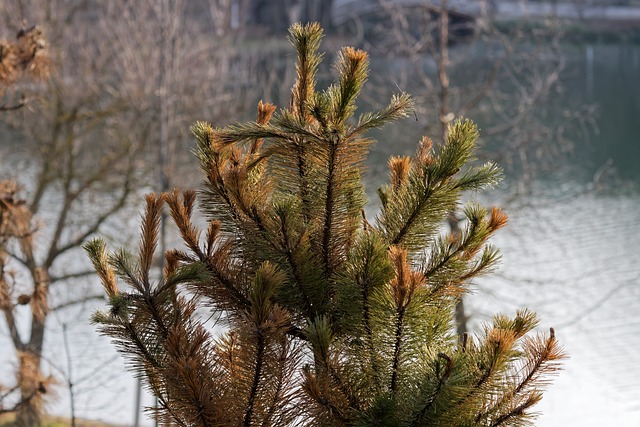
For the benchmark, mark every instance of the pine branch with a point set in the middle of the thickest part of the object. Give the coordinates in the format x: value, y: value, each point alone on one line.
x: 517, y: 412
x: 414, y: 216
x: 259, y: 360
x: 432, y: 398
x: 542, y: 356
x: 475, y: 178
x: 303, y: 183
x: 228, y: 285
x: 344, y: 388
x: 402, y: 287
x: 123, y: 265
x: 288, y: 127
x: 284, y: 229
x: 325, y: 406
x: 278, y: 395
x: 396, y: 348
x: 285, y: 127
x: 400, y: 107
x: 448, y: 266
x: 353, y: 70
x: 306, y: 40
x: 156, y: 316
x: 431, y: 190
x: 149, y: 238
x: 367, y: 320
x: 328, y: 217
x: 181, y: 214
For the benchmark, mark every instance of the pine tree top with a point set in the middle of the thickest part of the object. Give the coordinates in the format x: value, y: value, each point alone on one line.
x: 329, y: 320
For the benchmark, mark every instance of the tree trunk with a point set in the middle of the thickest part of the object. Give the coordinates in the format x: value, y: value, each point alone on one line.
x: 461, y: 317
x: 30, y: 379
x: 29, y: 413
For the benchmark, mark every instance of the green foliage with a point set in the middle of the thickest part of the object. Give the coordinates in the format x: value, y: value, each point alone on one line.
x: 329, y: 320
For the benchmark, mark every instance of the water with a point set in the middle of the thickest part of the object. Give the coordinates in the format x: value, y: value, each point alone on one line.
x: 608, y: 76
x: 576, y: 264
x: 571, y: 253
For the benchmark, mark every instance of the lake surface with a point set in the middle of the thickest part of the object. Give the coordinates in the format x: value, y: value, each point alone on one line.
x: 571, y: 253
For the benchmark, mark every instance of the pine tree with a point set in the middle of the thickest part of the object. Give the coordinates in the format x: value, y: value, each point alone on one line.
x: 330, y: 320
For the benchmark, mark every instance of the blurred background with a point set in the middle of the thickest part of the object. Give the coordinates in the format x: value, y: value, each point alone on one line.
x: 96, y: 111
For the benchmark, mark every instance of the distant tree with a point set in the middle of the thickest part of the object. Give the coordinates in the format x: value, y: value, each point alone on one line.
x: 24, y: 58
x: 16, y: 228
x: 330, y: 320
x: 72, y: 108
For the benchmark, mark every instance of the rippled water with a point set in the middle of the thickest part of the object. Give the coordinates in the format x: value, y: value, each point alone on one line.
x: 576, y: 263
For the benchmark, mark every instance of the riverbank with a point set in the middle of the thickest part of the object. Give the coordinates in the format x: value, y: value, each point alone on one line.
x: 580, y: 23
x: 510, y: 10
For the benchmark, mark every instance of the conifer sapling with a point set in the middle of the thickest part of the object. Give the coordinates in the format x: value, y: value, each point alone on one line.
x: 330, y: 320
